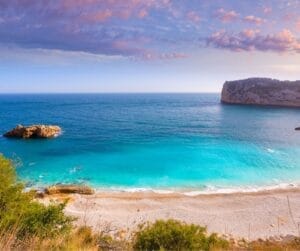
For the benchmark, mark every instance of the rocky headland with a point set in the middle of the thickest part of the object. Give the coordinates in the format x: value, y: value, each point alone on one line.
x: 262, y: 91
x: 34, y: 131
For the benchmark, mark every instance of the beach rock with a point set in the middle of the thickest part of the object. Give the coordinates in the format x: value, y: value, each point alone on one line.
x: 39, y: 194
x: 34, y: 131
x: 262, y: 91
x: 67, y: 189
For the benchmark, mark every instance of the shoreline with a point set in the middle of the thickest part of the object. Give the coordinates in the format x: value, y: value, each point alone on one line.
x: 209, y: 190
x: 185, y: 191
x: 248, y: 215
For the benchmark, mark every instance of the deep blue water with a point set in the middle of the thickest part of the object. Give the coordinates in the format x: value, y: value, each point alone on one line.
x: 153, y: 141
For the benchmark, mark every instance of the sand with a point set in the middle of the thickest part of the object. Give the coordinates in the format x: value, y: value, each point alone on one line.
x: 237, y: 215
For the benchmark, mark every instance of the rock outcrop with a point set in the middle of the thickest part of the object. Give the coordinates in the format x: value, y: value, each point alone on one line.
x: 34, y: 131
x: 262, y: 91
x: 68, y: 189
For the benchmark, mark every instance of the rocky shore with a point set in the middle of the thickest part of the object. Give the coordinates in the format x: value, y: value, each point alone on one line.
x: 34, y: 131
x: 69, y: 189
x: 262, y: 91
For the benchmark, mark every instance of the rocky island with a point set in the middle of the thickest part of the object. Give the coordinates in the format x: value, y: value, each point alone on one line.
x: 34, y: 131
x: 262, y: 91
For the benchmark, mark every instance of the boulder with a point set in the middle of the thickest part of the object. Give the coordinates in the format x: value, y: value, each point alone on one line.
x: 262, y: 91
x: 67, y: 189
x: 34, y: 131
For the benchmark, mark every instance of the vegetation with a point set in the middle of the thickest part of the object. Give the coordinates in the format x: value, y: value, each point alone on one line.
x: 23, y: 218
x: 175, y: 235
x: 26, y: 224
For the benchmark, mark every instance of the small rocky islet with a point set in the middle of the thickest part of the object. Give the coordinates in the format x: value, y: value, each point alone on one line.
x: 34, y: 131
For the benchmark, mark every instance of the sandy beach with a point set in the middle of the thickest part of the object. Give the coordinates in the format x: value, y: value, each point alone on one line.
x: 237, y: 215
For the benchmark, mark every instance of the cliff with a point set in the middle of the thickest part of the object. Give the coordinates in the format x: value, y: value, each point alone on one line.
x: 262, y: 91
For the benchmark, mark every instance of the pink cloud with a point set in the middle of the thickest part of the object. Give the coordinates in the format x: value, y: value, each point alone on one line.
x: 267, y: 10
x: 250, y: 33
x: 99, y: 16
x: 142, y: 13
x: 254, y: 20
x: 250, y: 40
x: 163, y: 56
x: 193, y: 17
x: 226, y: 16
x: 298, y: 25
x: 114, y: 8
x: 288, y: 17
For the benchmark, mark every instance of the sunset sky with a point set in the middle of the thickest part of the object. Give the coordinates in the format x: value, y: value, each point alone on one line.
x: 145, y: 45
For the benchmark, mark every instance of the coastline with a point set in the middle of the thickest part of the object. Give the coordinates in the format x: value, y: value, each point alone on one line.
x: 206, y: 190
x: 248, y: 215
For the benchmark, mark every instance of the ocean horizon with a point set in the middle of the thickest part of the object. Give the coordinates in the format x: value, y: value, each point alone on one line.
x: 153, y: 141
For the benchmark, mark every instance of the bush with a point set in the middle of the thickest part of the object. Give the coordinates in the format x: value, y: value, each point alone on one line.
x: 21, y: 216
x: 175, y: 235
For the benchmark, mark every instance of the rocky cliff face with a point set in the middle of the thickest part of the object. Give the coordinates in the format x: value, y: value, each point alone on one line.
x: 262, y: 91
x: 34, y: 131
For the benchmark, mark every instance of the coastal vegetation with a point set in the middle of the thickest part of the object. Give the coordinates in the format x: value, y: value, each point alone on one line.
x: 26, y: 224
x: 21, y: 217
x: 175, y: 235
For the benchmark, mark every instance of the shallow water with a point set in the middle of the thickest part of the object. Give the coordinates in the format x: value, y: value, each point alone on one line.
x: 153, y: 141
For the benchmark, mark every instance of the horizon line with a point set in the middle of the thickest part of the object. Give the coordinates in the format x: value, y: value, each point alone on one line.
x: 45, y: 93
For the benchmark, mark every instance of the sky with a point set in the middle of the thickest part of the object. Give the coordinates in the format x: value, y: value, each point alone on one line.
x: 145, y: 45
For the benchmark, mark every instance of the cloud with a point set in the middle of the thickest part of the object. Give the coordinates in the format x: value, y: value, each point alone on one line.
x: 250, y: 40
x: 99, y: 16
x: 164, y: 56
x: 254, y: 20
x: 142, y: 13
x: 115, y: 8
x: 298, y: 25
x: 193, y: 17
x: 53, y: 57
x: 267, y: 10
x: 226, y: 16
x: 92, y: 26
x: 132, y: 28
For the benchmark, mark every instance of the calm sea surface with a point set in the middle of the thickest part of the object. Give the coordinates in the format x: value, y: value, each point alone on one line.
x: 153, y: 141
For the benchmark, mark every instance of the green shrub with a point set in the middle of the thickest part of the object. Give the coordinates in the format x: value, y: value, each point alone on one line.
x: 23, y: 217
x: 175, y: 235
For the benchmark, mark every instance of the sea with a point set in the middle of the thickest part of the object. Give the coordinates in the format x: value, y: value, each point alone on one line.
x: 188, y: 143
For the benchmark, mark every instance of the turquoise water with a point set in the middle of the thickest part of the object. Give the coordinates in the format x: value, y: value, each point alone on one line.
x: 153, y: 141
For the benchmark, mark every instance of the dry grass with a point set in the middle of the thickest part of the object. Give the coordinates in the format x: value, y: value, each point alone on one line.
x: 85, y: 239
x: 82, y: 238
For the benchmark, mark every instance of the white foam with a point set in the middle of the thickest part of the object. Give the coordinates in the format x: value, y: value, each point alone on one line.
x: 135, y: 190
x: 270, y: 150
x: 209, y: 190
